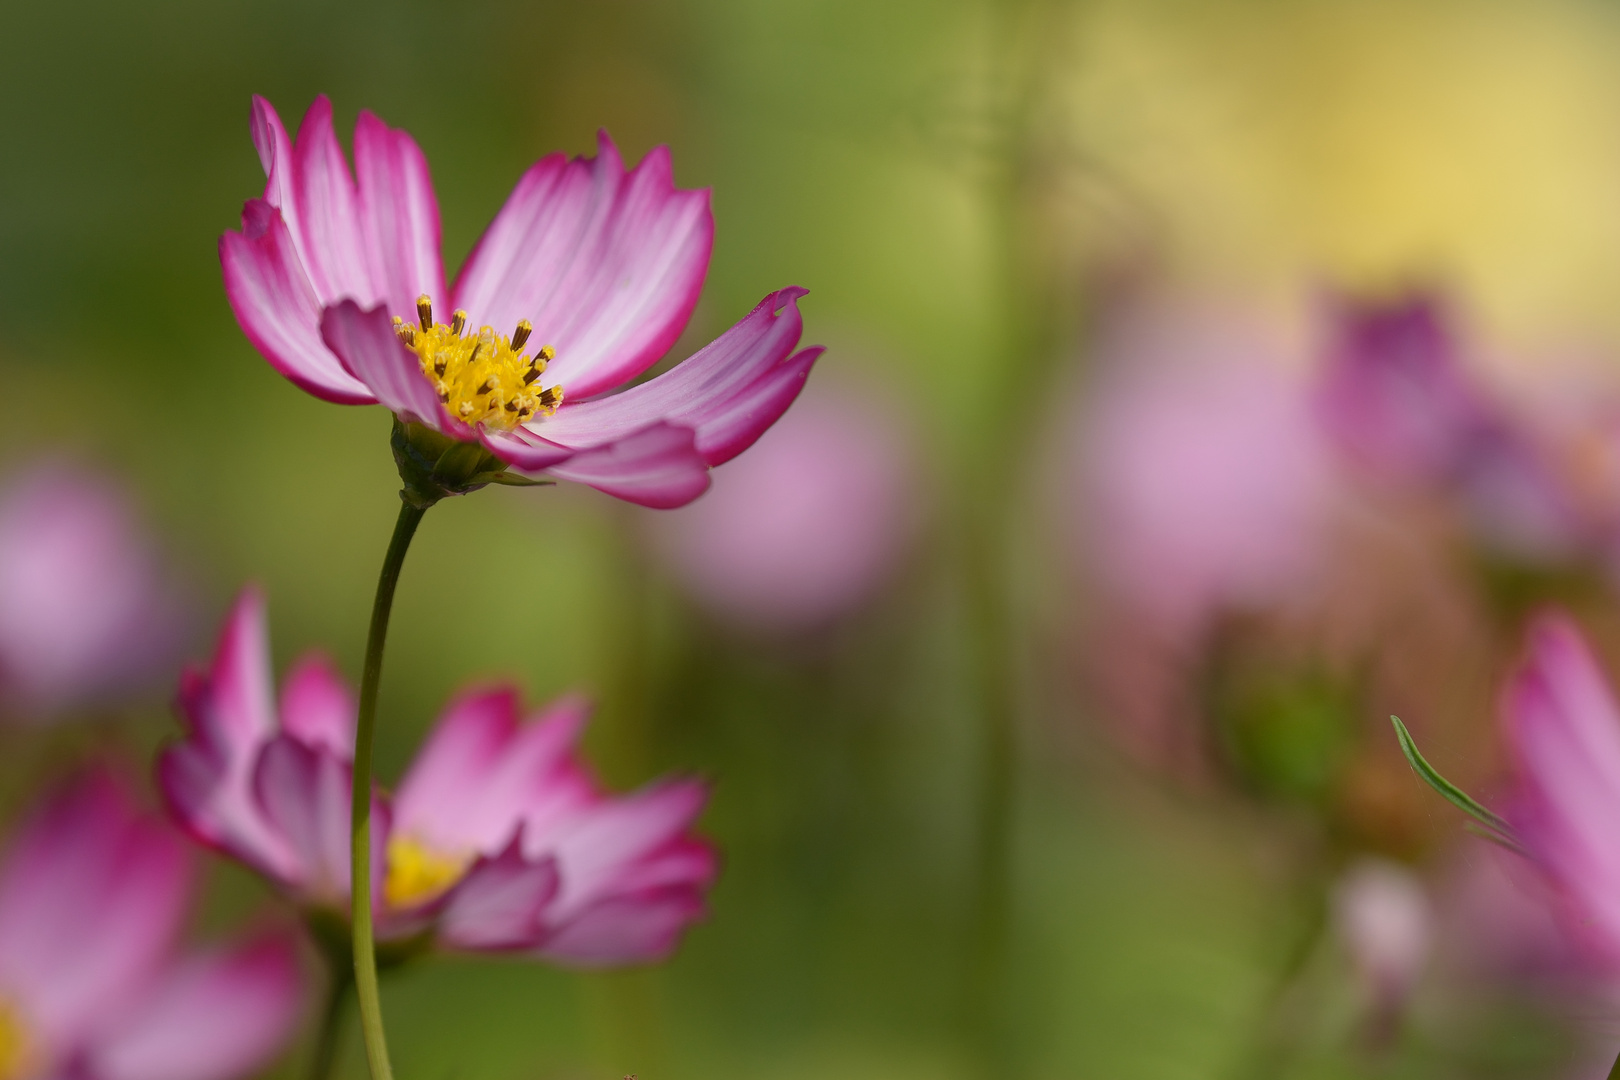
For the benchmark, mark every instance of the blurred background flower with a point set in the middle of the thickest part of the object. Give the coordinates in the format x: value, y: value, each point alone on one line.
x: 806, y: 526
x: 94, y: 894
x: 90, y: 615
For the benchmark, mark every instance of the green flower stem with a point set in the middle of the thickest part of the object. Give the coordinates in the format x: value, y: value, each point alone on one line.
x: 324, y: 1055
x: 365, y: 949
x: 1614, y: 1073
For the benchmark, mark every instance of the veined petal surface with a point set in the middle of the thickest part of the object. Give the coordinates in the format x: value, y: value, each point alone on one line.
x: 1563, y: 724
x: 607, y: 264
x: 728, y: 392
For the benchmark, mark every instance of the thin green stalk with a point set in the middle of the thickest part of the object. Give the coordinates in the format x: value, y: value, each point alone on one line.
x: 1614, y: 1073
x: 365, y: 949
x: 324, y: 1055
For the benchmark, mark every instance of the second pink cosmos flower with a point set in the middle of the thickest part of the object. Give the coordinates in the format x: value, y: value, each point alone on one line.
x: 584, y: 279
x: 498, y: 838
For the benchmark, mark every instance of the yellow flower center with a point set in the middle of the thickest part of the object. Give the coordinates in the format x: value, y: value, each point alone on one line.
x: 16, y: 1048
x: 416, y: 873
x: 484, y: 378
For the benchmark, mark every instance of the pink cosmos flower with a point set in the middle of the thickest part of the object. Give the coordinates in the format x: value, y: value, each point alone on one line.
x: 335, y: 280
x: 1394, y: 394
x: 93, y: 897
x: 805, y: 527
x: 497, y: 839
x: 1562, y: 724
x: 1396, y: 397
x: 86, y: 610
x: 1197, y: 480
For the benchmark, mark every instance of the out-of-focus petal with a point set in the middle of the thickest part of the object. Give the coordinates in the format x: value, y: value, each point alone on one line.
x: 278, y: 308
x: 213, y: 1017
x: 317, y: 707
x: 500, y: 903
x: 625, y: 930
x: 305, y: 796
x: 597, y: 849
x: 92, y: 896
x: 364, y: 341
x: 658, y: 466
x: 88, y: 611
x: 1201, y: 482
x: 1563, y: 725
x: 399, y: 213
x: 481, y: 771
x: 606, y: 264
x: 728, y: 392
x: 208, y: 778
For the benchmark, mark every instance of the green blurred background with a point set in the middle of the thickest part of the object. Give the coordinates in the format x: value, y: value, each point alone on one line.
x: 950, y: 180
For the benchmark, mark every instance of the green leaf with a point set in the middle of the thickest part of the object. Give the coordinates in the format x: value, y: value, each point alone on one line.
x: 1492, y: 826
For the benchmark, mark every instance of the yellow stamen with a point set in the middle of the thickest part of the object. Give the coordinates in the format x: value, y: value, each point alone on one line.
x: 485, y: 378
x: 416, y: 873
x: 16, y: 1048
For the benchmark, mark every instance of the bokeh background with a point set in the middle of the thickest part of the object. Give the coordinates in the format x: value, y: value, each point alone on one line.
x: 964, y: 832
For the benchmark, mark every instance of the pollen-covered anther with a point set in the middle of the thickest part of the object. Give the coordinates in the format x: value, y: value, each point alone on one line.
x: 484, y: 378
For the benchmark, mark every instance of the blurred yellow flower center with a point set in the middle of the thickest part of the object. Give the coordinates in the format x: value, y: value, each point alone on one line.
x: 416, y: 873
x: 484, y: 378
x: 15, y: 1049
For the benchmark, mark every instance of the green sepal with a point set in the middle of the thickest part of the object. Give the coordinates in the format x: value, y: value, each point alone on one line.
x: 434, y: 466
x: 1487, y: 824
x: 512, y: 479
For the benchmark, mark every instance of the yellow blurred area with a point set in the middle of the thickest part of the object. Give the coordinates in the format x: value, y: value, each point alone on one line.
x: 1368, y: 143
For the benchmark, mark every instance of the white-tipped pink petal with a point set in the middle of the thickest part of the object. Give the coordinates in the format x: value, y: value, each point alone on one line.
x: 482, y: 772
x: 658, y: 466
x: 524, y: 450
x: 728, y: 392
x: 208, y: 778
x: 305, y: 796
x: 365, y: 343
x: 278, y: 309
x: 92, y: 897
x: 606, y: 264
x: 1563, y: 724
x: 598, y: 850
x: 275, y: 155
x: 500, y: 904
x: 327, y: 219
x: 625, y: 930
x: 399, y: 213
x: 215, y: 1016
x: 317, y: 707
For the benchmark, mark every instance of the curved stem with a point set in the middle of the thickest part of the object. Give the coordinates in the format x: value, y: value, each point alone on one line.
x: 365, y: 949
x: 326, y: 1037
x: 1614, y: 1073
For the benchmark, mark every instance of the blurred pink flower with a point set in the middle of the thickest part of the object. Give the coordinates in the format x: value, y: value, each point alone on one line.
x: 93, y: 895
x: 86, y: 611
x: 1383, y: 917
x: 1397, y: 398
x: 806, y: 527
x: 498, y: 838
x: 1394, y: 394
x: 1563, y: 727
x: 1204, y: 480
x: 334, y: 282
